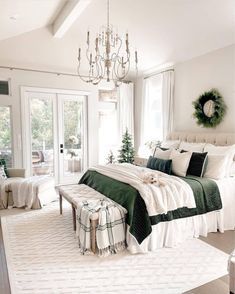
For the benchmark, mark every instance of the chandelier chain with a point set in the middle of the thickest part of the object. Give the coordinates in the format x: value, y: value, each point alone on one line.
x: 108, y: 12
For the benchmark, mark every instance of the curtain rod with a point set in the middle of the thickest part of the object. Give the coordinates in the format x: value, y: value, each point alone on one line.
x: 47, y: 72
x: 158, y: 73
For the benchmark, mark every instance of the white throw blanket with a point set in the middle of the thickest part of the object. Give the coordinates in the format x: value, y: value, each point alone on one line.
x: 3, y: 187
x: 24, y: 191
x: 172, y: 194
x: 111, y: 229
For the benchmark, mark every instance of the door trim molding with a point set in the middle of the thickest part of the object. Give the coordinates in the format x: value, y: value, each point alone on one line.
x: 25, y: 119
x: 53, y: 90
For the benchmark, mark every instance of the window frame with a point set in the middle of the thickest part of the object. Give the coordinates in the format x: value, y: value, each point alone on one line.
x: 12, y: 134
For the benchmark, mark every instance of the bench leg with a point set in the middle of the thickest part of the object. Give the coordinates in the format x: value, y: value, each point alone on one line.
x: 61, y: 208
x: 93, y: 235
x: 74, y: 217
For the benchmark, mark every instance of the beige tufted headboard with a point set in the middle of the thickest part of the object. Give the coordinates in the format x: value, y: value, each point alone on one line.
x: 219, y: 139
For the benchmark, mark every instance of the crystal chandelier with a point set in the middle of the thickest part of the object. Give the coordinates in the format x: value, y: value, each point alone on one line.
x: 109, y: 60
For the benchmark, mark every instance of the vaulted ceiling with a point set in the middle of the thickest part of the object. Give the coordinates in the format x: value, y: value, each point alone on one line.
x: 163, y: 31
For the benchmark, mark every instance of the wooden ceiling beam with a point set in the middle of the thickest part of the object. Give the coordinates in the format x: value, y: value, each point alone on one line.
x: 68, y: 15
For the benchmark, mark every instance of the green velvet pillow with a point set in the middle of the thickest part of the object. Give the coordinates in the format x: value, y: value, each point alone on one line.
x: 162, y: 165
x: 3, y: 163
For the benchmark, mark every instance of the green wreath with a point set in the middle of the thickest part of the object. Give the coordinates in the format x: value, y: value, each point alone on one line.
x: 210, y: 109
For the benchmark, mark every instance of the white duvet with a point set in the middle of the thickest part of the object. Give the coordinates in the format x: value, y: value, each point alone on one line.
x: 174, y: 194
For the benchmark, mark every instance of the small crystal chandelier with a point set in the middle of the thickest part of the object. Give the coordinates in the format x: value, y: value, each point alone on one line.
x: 108, y: 62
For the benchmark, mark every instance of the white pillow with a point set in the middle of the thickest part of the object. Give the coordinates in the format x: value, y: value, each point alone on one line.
x: 170, y: 144
x: 194, y: 147
x: 159, y: 153
x: 216, y: 167
x: 180, y: 162
x: 228, y: 151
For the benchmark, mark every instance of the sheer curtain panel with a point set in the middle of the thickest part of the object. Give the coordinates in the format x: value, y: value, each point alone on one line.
x: 167, y: 102
x: 126, y: 109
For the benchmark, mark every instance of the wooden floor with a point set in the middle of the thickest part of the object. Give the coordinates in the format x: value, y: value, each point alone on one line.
x: 4, y: 281
x: 224, y: 242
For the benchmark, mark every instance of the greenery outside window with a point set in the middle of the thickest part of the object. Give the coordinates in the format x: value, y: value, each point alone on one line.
x: 6, y: 135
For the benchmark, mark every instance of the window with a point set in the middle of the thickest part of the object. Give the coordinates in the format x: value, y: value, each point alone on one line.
x: 108, y: 124
x: 153, y: 122
x: 4, y: 88
x: 6, y: 135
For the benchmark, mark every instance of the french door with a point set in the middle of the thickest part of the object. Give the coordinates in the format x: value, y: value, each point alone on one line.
x: 55, y: 134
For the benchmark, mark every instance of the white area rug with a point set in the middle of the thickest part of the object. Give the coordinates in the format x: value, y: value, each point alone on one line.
x: 42, y: 257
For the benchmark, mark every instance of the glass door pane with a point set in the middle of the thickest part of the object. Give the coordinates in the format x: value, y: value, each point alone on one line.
x: 42, y: 142
x: 72, y: 138
x: 5, y: 135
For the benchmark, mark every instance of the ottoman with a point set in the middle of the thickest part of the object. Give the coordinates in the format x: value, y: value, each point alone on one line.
x: 231, y: 270
x: 44, y: 187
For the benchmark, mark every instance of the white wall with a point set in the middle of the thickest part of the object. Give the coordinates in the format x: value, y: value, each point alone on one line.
x: 192, y: 77
x: 23, y: 78
x: 213, y: 70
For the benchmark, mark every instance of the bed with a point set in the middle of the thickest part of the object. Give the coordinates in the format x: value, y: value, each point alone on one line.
x: 170, y: 231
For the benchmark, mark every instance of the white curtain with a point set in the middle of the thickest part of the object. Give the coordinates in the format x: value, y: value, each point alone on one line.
x: 157, y: 108
x: 167, y: 102
x: 151, y: 121
x: 126, y: 109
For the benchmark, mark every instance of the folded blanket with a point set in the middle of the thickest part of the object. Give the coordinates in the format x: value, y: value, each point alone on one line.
x: 3, y: 187
x: 167, y: 194
x: 25, y: 192
x: 111, y: 229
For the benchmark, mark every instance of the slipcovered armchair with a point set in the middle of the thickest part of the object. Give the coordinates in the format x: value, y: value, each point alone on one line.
x: 14, y: 175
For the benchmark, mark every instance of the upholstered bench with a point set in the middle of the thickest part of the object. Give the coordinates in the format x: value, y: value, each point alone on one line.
x: 76, y: 195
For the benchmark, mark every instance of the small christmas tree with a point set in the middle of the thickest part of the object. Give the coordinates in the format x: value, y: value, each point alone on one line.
x: 127, y: 152
x: 110, y: 157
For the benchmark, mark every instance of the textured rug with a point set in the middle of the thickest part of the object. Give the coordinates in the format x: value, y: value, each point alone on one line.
x: 42, y: 257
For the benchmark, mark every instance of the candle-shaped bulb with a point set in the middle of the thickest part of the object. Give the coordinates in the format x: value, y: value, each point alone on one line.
x: 88, y: 38
x: 127, y: 46
x: 136, y: 57
x: 96, y: 44
x: 91, y: 58
x: 79, y: 54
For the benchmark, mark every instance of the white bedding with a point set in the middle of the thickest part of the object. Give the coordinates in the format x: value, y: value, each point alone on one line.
x: 172, y: 233
x: 173, y: 194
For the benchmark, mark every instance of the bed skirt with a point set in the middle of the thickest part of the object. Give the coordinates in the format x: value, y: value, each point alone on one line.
x: 172, y: 233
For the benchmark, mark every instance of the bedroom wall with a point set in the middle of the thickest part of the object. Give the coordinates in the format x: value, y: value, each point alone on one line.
x: 21, y: 78
x: 38, y: 50
x: 213, y: 70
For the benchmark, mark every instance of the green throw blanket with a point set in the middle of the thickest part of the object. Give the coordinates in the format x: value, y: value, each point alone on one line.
x: 206, y: 193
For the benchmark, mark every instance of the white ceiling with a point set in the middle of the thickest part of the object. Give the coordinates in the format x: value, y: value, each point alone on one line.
x: 163, y: 31
x: 29, y: 14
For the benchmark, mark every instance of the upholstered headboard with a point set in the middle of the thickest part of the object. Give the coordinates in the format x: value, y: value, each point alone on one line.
x: 219, y: 139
